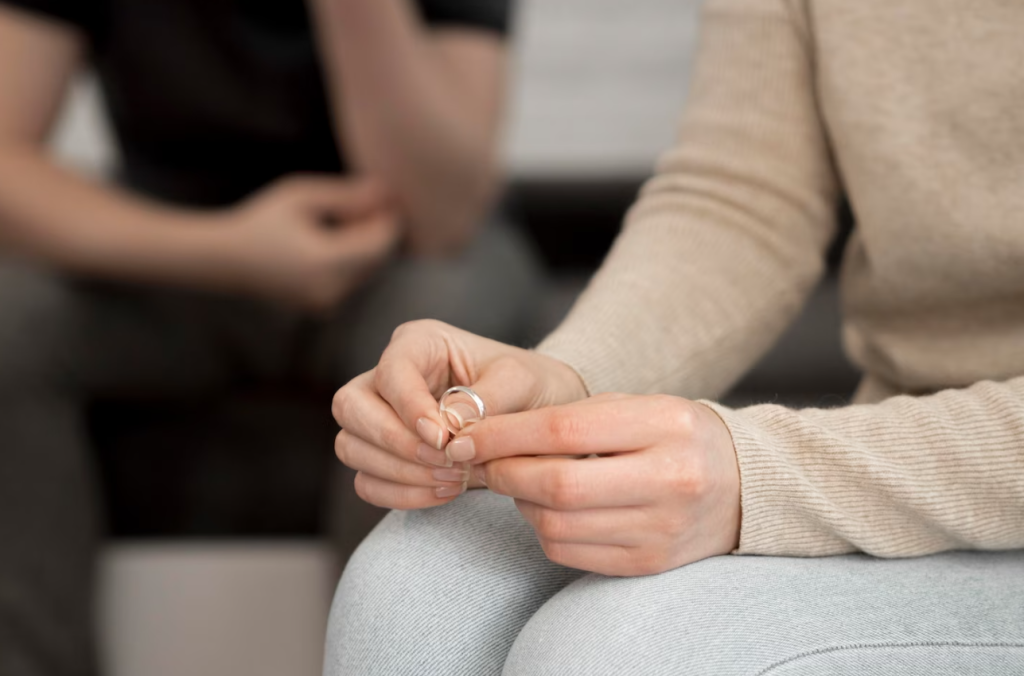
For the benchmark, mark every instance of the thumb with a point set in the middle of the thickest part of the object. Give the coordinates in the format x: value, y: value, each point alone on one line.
x: 425, y: 358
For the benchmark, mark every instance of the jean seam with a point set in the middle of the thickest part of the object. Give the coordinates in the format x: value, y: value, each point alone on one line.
x: 883, y: 646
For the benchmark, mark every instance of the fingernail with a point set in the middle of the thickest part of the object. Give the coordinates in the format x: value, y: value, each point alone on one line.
x: 450, y: 491
x: 462, y: 415
x: 430, y: 432
x: 453, y: 475
x: 432, y: 456
x: 481, y: 474
x: 462, y: 449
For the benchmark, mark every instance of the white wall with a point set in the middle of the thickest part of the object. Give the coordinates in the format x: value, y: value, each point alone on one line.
x: 597, y: 88
x: 215, y: 609
x: 600, y: 84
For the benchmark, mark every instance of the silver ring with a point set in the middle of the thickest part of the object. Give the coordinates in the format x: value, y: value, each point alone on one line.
x: 481, y: 408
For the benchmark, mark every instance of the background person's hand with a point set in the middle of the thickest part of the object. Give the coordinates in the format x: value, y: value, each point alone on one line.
x: 308, y: 241
x: 391, y: 431
x: 664, y: 492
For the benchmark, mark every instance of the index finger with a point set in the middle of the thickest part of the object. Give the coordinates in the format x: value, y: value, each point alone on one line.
x: 407, y: 378
x: 610, y: 425
x: 569, y: 485
x: 426, y: 357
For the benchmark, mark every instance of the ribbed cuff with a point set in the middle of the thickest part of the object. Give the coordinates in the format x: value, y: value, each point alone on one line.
x: 776, y: 517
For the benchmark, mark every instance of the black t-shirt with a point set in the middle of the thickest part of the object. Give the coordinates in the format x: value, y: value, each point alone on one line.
x: 212, y: 99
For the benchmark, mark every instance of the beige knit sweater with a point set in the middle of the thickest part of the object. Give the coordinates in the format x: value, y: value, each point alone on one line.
x: 914, y: 109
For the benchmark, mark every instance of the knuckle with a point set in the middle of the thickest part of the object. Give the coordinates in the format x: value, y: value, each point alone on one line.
x: 507, y: 366
x: 408, y: 499
x: 401, y: 331
x: 555, y: 551
x: 415, y: 328
x: 341, y: 447
x: 563, y: 489
x: 677, y: 413
x: 698, y: 485
x: 649, y: 563
x: 341, y: 405
x: 551, y: 525
x: 380, y: 374
x: 690, y: 481
x: 493, y: 477
x: 363, y: 489
x: 432, y: 324
x: 381, y: 494
x: 497, y: 478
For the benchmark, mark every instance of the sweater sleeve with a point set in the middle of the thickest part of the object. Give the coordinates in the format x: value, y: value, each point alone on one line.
x: 728, y: 239
x: 907, y: 477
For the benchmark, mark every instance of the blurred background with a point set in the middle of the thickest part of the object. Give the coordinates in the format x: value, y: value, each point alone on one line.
x: 217, y: 565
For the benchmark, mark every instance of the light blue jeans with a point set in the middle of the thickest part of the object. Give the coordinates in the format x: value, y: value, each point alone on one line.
x: 466, y: 589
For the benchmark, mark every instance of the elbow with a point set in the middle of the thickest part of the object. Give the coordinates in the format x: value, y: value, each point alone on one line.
x: 448, y: 221
x: 441, y: 237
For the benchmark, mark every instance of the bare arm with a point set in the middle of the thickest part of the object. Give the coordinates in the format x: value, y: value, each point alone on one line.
x: 271, y: 246
x: 417, y: 109
x: 50, y: 214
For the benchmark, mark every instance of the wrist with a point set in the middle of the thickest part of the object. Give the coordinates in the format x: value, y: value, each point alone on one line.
x: 214, y: 251
x: 188, y: 248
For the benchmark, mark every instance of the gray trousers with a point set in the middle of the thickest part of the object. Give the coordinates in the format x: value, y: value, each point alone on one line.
x: 64, y: 342
x: 465, y: 589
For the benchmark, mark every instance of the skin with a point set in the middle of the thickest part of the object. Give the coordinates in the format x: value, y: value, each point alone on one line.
x: 421, y: 109
x: 271, y: 246
x: 663, y: 491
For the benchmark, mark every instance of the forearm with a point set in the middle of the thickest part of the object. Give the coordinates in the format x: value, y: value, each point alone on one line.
x: 51, y: 215
x: 729, y: 238
x: 907, y: 477
x: 682, y: 307
x: 405, y: 119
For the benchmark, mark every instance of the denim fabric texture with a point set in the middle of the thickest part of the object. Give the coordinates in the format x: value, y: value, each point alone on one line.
x: 465, y: 589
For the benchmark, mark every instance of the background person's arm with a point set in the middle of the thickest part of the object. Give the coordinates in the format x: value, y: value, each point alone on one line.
x: 273, y: 246
x: 714, y: 262
x: 419, y: 109
x: 51, y: 214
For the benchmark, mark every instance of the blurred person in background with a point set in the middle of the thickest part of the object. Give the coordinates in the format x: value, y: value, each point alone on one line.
x: 913, y: 110
x: 296, y: 180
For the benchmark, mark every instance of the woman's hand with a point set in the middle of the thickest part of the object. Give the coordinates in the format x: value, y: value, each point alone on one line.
x: 664, y: 492
x: 391, y: 430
